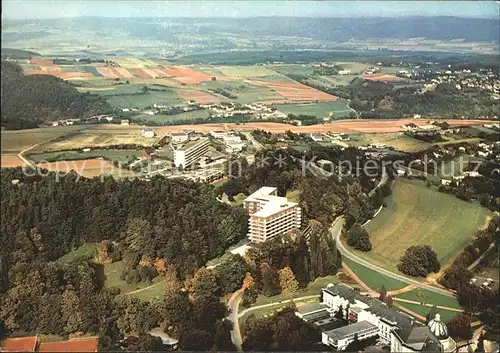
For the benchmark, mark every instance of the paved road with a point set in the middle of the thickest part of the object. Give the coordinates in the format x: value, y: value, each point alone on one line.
x: 335, y: 231
x: 233, y: 305
x: 277, y: 303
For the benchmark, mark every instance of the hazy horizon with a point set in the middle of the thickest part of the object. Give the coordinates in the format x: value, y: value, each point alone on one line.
x: 45, y: 9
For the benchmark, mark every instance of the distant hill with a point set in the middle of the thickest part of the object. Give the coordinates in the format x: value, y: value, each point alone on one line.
x: 18, y: 54
x: 331, y: 29
x: 28, y: 101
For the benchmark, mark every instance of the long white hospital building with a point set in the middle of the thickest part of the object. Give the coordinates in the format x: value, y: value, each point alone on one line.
x: 190, y: 152
x: 270, y: 215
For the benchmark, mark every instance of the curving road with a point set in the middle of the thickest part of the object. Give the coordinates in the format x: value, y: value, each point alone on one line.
x: 233, y: 305
x: 335, y: 232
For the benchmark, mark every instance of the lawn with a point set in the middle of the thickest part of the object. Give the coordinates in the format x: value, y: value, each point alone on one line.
x: 313, y: 288
x: 428, y: 297
x: 446, y: 315
x: 112, y: 155
x: 417, y: 215
x: 334, y: 109
x: 373, y: 279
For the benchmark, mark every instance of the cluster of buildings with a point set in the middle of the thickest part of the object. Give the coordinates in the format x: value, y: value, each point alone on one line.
x: 34, y: 344
x: 233, y: 142
x: 486, y: 81
x: 369, y: 317
x: 257, y: 110
x: 270, y: 215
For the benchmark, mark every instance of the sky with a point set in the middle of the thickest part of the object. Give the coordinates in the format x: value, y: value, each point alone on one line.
x: 39, y: 9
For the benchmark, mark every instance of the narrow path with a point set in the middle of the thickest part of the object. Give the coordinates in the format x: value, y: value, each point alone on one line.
x: 402, y: 290
x: 233, y: 305
x: 355, y: 277
x: 277, y: 303
x: 145, y: 288
x: 411, y: 312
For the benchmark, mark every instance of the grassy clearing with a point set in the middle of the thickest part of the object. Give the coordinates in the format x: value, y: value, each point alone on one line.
x: 293, y: 195
x: 112, y: 155
x: 417, y: 215
x: 16, y: 141
x: 334, y: 109
x: 373, y: 279
x: 86, y: 251
x: 428, y: 297
x: 112, y: 273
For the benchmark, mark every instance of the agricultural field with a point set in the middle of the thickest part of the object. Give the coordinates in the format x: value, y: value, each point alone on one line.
x: 10, y: 161
x: 417, y: 215
x: 88, y: 168
x: 334, y: 109
x: 111, y: 155
x: 167, y: 97
x: 16, y: 141
x: 399, y: 141
x: 245, y: 93
x: 97, y: 136
x: 162, y: 118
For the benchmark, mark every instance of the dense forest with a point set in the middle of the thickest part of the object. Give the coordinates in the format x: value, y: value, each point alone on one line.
x: 28, y: 101
x: 167, y: 227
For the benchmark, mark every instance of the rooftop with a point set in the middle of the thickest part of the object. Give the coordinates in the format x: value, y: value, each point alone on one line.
x: 18, y: 344
x: 273, y: 205
x: 263, y: 191
x: 86, y: 344
x: 341, y: 332
x: 310, y: 308
x: 375, y: 306
x: 190, y: 144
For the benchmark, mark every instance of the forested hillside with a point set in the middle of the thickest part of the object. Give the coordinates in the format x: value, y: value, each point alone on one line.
x: 176, y: 223
x: 28, y: 101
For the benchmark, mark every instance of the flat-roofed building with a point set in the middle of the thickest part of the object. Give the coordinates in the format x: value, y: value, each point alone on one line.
x: 270, y: 215
x: 190, y: 152
x: 179, y: 137
x: 18, y: 344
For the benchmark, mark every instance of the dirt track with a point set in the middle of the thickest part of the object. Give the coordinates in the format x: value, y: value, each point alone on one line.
x: 347, y: 126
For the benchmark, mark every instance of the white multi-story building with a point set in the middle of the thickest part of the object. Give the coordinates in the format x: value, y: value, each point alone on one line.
x: 179, y: 137
x: 369, y: 317
x: 270, y: 215
x: 190, y: 152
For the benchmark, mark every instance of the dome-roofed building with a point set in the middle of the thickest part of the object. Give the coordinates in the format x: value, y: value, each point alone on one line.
x: 439, y: 329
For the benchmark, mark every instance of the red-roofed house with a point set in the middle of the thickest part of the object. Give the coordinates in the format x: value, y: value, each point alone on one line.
x: 19, y: 344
